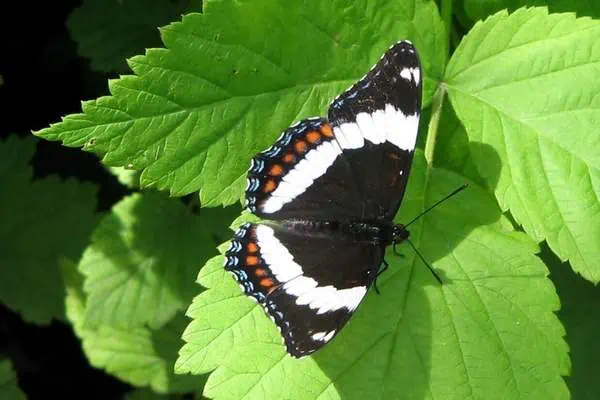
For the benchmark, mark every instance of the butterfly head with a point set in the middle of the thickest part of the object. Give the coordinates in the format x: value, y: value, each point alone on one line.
x: 399, y: 234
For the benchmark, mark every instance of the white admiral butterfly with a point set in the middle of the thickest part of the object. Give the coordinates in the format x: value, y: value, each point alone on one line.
x: 330, y: 188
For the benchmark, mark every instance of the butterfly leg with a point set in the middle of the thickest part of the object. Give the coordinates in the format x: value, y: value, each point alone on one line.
x: 385, y: 266
x: 396, y: 252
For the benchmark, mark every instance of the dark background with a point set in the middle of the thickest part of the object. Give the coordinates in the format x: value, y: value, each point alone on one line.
x: 45, y: 79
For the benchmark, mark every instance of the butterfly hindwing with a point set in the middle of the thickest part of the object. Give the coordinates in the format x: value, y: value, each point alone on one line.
x: 289, y: 269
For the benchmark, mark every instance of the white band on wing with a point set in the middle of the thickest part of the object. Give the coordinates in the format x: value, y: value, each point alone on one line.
x: 298, y: 179
x: 389, y: 124
x: 305, y: 289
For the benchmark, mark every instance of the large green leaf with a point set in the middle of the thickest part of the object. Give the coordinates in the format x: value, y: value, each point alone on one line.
x: 139, y: 356
x: 231, y: 79
x: 42, y: 221
x: 9, y: 389
x: 525, y: 85
x: 144, y: 255
x: 110, y: 31
x: 489, y: 331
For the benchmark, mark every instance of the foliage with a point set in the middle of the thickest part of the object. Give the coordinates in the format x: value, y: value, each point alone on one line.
x: 511, y: 108
x: 187, y: 115
x: 42, y: 221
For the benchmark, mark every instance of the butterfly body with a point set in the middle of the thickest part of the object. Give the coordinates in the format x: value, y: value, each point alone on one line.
x: 329, y: 189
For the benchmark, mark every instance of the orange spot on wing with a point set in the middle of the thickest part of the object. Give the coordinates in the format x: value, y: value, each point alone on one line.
x: 289, y: 158
x: 252, y: 247
x: 326, y: 130
x: 270, y: 185
x: 259, y: 272
x: 276, y: 170
x: 252, y: 260
x: 267, y: 284
x: 313, y: 136
x: 300, y: 146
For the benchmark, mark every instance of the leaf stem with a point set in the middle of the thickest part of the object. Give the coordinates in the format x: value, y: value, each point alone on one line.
x: 438, y: 97
x: 436, y: 113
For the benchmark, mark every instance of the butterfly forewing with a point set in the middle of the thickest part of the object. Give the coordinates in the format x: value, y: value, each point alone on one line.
x: 376, y: 122
x: 302, y: 175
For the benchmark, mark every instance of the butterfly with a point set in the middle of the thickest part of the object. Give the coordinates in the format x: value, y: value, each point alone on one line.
x: 329, y: 189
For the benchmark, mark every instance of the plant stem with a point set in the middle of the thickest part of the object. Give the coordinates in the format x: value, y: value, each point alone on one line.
x: 438, y: 97
x: 436, y: 113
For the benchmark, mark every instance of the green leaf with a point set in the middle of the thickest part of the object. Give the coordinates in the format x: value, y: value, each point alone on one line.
x: 127, y: 177
x: 580, y: 302
x: 480, y: 9
x: 489, y: 329
x: 525, y: 85
x: 139, y: 356
x: 231, y: 79
x: 9, y: 388
x: 42, y: 220
x: 453, y: 149
x: 110, y: 31
x: 144, y: 256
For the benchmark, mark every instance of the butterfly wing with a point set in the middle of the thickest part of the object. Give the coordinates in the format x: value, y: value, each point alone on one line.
x: 309, y: 278
x: 301, y: 176
x: 356, y: 165
x: 375, y: 123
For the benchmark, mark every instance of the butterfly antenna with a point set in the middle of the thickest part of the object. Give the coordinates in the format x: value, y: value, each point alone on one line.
x: 437, y: 277
x: 437, y: 203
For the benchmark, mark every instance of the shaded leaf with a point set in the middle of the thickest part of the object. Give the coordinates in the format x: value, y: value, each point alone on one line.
x: 42, y: 220
x: 9, y: 388
x: 580, y: 302
x: 453, y: 149
x: 110, y: 31
x: 139, y: 356
x: 144, y: 255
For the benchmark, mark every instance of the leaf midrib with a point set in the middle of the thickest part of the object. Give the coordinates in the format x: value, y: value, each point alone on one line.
x: 299, y: 87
